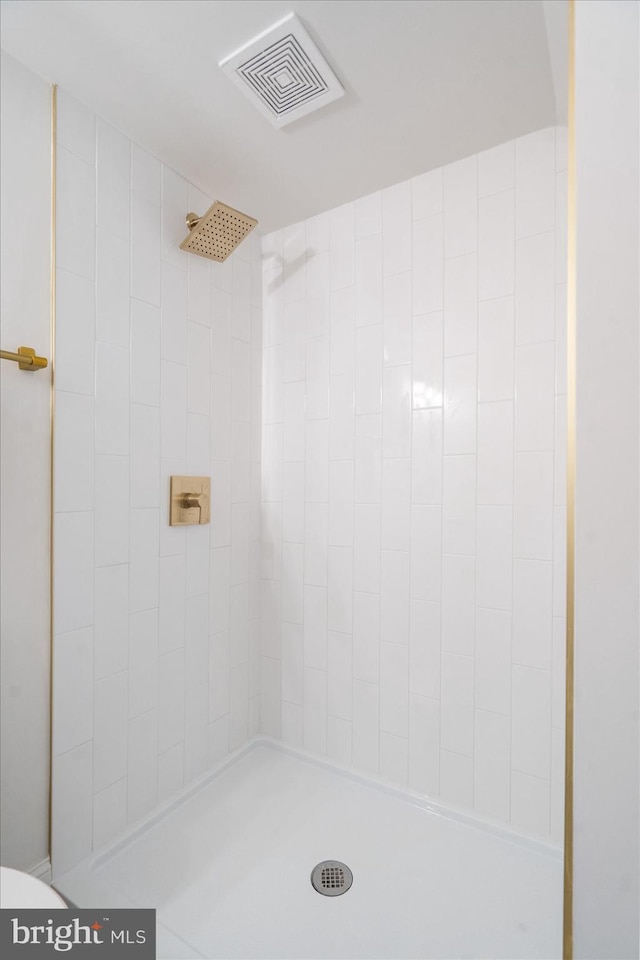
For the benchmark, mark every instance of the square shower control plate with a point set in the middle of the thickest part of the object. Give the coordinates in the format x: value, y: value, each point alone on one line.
x: 190, y: 501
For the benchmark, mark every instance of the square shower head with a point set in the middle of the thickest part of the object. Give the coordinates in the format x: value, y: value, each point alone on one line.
x: 217, y: 234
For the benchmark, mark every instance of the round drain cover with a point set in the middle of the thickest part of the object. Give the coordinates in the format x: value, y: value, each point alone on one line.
x: 331, y: 878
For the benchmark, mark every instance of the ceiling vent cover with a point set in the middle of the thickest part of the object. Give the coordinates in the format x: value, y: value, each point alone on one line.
x: 283, y: 73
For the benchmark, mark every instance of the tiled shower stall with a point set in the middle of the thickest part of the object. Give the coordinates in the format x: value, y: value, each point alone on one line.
x: 378, y: 396
x: 414, y: 483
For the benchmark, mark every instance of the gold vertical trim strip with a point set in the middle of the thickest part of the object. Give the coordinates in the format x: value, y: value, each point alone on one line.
x: 567, y: 932
x: 52, y: 405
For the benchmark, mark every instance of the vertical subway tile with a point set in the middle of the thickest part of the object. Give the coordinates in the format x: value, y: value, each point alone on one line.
x: 113, y: 176
x: 495, y: 452
x: 142, y: 767
x: 492, y: 773
x: 396, y: 411
x: 73, y: 563
x: 110, y: 721
x: 368, y: 215
x: 75, y: 214
x: 496, y: 169
x: 460, y: 399
x: 533, y: 506
x: 72, y: 807
x: 111, y: 620
x: 426, y: 194
x: 366, y: 548
x: 366, y: 712
x: 461, y: 207
x: 496, y: 247
x: 173, y: 340
x: 494, y: 551
x: 143, y: 662
x: 145, y: 353
x: 145, y: 249
x: 74, y: 461
x: 459, y: 505
x: 396, y: 311
x: 461, y: 305
x: 394, y: 597
x: 496, y: 337
x: 493, y: 661
x: 535, y: 288
x: 426, y: 552
x: 339, y: 675
x: 72, y: 690
x: 343, y: 331
x: 369, y: 369
x: 342, y: 246
x: 424, y: 745
x: 315, y: 710
x: 426, y: 455
x: 456, y: 730
x: 144, y: 560
x: 532, y: 613
x: 175, y: 200
x: 428, y: 264
x: 112, y: 290
x: 146, y: 173
x: 396, y: 228
x: 368, y: 458
x: 396, y: 504
x: 341, y: 413
x: 366, y: 636
x: 341, y: 503
x: 535, y: 401
x: 456, y: 778
x: 535, y: 182
x: 530, y: 803
x: 75, y: 333
x: 315, y: 627
x: 112, y: 399
x: 340, y: 589
x: 424, y: 649
x: 531, y: 731
x: 394, y: 757
x: 394, y: 689
x: 458, y: 604
x: 339, y: 740
x: 368, y: 280
x: 427, y: 363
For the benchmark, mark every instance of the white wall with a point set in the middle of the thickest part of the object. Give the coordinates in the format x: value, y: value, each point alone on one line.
x: 606, y: 814
x: 155, y: 676
x: 25, y: 167
x: 414, y: 483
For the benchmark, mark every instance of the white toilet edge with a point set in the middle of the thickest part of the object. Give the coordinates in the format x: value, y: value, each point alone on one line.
x: 19, y: 890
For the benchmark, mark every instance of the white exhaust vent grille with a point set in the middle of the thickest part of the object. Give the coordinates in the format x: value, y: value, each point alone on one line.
x: 283, y: 73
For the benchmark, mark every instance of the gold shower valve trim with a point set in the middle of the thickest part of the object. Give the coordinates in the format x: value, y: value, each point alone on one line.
x: 216, y: 234
x: 26, y: 358
x: 190, y: 501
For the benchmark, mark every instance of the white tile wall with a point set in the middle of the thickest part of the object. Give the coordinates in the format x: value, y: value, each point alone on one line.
x: 413, y: 482
x: 158, y: 370
x: 403, y: 428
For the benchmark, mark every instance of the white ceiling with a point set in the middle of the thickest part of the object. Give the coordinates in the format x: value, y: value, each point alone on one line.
x: 427, y: 81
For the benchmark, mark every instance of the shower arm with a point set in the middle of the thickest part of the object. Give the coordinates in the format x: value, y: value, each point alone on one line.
x: 25, y: 358
x: 192, y: 220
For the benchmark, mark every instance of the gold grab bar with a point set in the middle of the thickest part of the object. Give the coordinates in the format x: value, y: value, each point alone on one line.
x: 25, y: 358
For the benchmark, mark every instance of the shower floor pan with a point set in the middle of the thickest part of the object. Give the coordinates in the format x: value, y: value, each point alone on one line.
x: 228, y: 870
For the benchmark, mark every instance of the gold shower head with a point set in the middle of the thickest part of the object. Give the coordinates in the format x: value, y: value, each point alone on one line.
x: 217, y: 234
